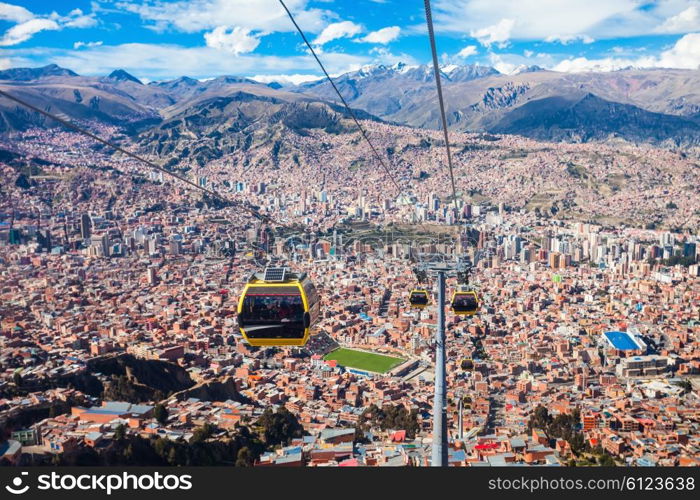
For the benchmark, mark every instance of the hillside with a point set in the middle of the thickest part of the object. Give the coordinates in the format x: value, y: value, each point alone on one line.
x: 656, y: 106
x: 590, y: 118
x: 212, y: 125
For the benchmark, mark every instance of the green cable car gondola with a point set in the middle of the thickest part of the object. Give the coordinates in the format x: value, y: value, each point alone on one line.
x: 419, y: 298
x: 465, y: 302
x: 278, y: 308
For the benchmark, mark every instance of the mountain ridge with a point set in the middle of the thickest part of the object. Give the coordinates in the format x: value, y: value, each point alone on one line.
x: 29, y: 74
x: 121, y: 75
x: 654, y: 106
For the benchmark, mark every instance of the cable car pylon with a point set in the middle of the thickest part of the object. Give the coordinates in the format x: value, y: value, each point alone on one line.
x: 441, y: 270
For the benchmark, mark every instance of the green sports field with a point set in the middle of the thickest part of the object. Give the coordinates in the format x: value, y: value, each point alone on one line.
x: 363, y: 360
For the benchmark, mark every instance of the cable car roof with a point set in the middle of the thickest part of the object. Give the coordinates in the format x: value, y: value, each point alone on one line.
x: 279, y: 275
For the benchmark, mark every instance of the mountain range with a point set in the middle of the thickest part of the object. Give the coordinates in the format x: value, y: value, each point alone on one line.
x: 658, y: 106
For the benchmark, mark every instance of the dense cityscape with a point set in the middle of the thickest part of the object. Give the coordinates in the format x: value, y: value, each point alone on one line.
x: 119, y: 287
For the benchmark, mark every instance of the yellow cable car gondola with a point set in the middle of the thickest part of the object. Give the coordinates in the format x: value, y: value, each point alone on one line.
x: 465, y: 302
x: 278, y: 308
x: 419, y: 298
x: 467, y: 364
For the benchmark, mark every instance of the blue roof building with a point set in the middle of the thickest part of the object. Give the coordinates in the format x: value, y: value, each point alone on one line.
x: 623, y: 341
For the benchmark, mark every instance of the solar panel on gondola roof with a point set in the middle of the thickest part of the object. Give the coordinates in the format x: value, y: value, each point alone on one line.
x: 275, y: 274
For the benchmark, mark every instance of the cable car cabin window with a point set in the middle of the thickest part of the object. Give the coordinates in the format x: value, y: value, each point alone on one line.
x: 273, y: 316
x: 418, y: 298
x: 465, y: 303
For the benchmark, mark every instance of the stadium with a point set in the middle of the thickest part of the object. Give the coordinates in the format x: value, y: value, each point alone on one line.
x: 364, y: 361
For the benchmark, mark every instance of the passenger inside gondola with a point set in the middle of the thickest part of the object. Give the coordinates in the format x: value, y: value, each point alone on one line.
x: 418, y: 298
x: 465, y: 303
x: 267, y: 316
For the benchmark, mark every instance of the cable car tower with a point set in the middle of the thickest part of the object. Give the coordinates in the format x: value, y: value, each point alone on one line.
x: 441, y: 270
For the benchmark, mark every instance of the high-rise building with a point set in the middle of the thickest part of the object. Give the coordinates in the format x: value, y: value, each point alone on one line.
x: 43, y: 238
x: 85, y: 226
x: 152, y: 245
x: 15, y: 236
x: 689, y: 249
x: 151, y: 276
x: 175, y: 247
x: 554, y: 260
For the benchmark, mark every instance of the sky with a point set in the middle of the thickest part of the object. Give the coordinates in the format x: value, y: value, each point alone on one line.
x: 165, y: 39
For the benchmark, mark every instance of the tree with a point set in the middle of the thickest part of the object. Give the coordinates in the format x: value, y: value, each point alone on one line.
x: 578, y: 443
x: 676, y: 260
x: 160, y: 446
x: 360, y: 436
x: 203, y: 433
x: 53, y: 411
x: 540, y: 419
x: 279, y: 427
x: 172, y: 456
x: 160, y: 413
x: 389, y: 418
x: 605, y: 460
x: 22, y: 182
x: 244, y: 458
x: 120, y: 433
x: 686, y: 385
x: 129, y: 453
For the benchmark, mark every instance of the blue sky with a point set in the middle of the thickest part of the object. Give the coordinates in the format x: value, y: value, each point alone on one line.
x: 162, y: 39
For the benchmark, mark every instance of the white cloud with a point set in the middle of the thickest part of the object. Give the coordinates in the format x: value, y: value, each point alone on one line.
x: 14, y: 13
x: 164, y: 61
x: 198, y: 15
x: 498, y: 33
x: 687, y: 20
x: 583, y: 64
x: 159, y: 62
x: 567, y: 39
x: 28, y: 24
x: 501, y: 65
x: 237, y: 41
x: 24, y: 31
x: 383, y: 36
x: 382, y: 55
x: 334, y: 31
x: 77, y: 19
x: 539, y: 19
x: 293, y: 79
x: 467, y: 51
x: 5, y: 63
x: 78, y: 45
x: 685, y: 54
